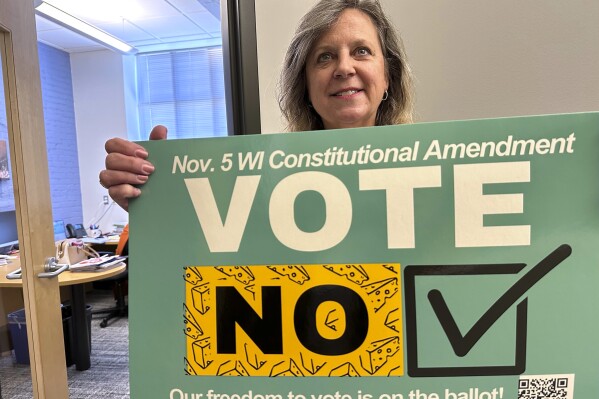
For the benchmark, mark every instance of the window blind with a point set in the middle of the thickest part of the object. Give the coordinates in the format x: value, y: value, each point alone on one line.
x: 183, y: 90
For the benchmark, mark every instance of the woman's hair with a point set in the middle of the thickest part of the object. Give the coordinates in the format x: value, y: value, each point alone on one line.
x: 293, y: 93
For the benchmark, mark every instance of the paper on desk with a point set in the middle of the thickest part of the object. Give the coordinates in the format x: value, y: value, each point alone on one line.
x: 113, y: 239
x: 91, y: 240
x: 98, y: 264
x: 4, y: 259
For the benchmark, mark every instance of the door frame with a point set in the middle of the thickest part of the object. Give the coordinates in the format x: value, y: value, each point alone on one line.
x: 27, y: 142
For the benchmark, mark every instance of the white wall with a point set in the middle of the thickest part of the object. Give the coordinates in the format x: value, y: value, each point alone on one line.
x: 472, y: 58
x: 273, y: 34
x: 98, y: 92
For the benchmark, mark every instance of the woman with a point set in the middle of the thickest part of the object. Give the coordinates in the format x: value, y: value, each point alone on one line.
x: 345, y: 68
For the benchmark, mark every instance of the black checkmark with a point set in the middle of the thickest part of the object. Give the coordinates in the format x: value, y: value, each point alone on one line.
x: 463, y: 344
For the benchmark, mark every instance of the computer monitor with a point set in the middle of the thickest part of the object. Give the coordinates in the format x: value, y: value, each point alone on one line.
x: 9, y: 237
x: 60, y: 232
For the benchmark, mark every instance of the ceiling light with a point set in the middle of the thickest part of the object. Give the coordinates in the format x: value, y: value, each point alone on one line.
x: 68, y: 21
x: 107, y: 11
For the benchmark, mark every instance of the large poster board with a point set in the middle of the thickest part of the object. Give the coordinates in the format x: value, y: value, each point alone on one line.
x: 453, y: 260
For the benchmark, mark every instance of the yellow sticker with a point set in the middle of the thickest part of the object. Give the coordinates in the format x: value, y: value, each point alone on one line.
x: 293, y: 320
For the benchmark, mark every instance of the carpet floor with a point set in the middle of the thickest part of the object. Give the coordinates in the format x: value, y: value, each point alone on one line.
x: 108, y: 376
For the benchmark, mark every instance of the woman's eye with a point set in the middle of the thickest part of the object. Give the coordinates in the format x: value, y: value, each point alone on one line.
x: 324, y: 57
x: 362, y: 51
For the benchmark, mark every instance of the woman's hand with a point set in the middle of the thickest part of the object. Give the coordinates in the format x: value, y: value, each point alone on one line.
x: 127, y: 167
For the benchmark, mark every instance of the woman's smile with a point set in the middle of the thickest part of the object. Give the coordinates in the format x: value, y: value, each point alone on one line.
x: 347, y: 93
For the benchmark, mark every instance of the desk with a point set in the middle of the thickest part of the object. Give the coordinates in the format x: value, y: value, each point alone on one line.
x: 76, y: 281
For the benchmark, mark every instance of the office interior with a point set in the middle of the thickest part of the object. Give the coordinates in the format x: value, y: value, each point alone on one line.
x: 471, y: 59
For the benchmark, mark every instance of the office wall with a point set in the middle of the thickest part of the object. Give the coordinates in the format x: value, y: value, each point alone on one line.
x: 99, y: 94
x: 61, y: 138
x: 471, y: 58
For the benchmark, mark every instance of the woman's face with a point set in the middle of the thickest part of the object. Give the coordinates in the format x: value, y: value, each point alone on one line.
x: 346, y: 72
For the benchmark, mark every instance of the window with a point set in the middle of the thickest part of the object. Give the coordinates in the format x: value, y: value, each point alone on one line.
x: 183, y: 90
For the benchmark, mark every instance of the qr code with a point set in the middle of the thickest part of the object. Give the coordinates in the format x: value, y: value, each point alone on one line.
x: 554, y: 386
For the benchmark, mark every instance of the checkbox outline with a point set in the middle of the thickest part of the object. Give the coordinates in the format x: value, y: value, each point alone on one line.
x: 462, y: 344
x: 414, y: 369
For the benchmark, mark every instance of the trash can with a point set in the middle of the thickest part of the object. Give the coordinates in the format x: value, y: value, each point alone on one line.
x: 68, y: 329
x: 17, y: 326
x: 18, y: 335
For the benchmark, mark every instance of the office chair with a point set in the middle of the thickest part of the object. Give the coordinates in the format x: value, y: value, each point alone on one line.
x: 119, y: 285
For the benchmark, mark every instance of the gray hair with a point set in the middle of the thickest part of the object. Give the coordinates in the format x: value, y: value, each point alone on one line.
x: 293, y: 94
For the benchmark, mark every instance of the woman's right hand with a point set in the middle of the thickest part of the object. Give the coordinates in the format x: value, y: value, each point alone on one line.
x: 127, y: 167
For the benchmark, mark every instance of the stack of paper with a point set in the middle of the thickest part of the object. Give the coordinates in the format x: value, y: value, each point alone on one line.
x: 4, y: 259
x: 97, y: 264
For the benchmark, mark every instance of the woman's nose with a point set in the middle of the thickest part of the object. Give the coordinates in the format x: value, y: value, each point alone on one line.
x: 345, y: 66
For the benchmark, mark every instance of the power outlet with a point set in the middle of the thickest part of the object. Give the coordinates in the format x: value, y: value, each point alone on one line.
x: 105, y: 200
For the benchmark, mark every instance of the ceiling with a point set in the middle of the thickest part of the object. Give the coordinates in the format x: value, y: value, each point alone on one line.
x: 147, y: 25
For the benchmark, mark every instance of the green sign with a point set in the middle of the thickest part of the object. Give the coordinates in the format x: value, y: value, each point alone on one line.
x: 453, y: 260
